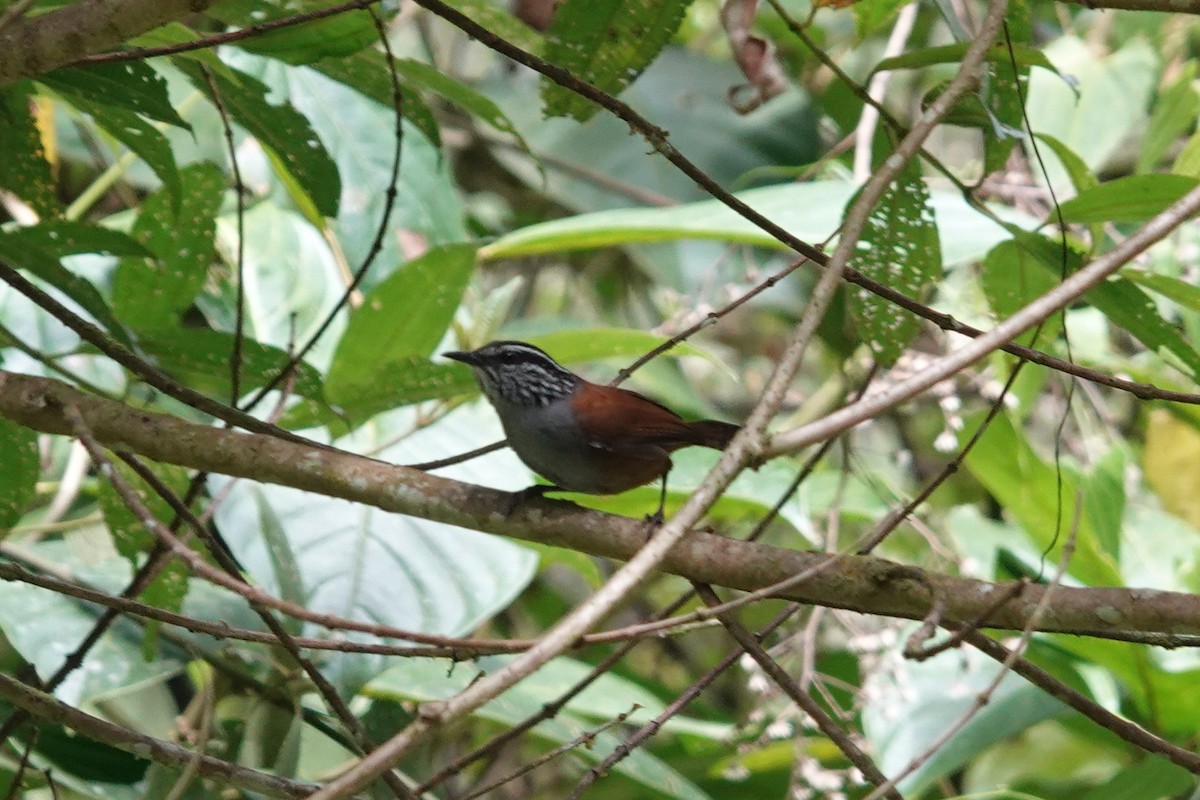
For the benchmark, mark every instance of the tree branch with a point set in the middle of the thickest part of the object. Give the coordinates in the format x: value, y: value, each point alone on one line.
x: 859, y: 583
x: 38, y: 44
x: 46, y: 706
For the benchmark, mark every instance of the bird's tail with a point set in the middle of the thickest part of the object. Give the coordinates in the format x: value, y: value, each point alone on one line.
x: 714, y: 434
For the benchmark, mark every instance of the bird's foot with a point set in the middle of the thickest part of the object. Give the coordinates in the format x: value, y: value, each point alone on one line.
x: 518, y: 498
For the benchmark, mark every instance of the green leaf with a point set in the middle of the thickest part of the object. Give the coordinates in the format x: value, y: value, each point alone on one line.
x: 811, y: 211
x: 589, y: 344
x: 1101, y: 107
x: 1188, y: 160
x: 1082, y: 177
x: 130, y: 85
x: 953, y: 54
x: 140, y: 137
x: 1028, y: 489
x: 460, y: 94
x: 869, y: 15
x: 402, y: 319
x: 606, y: 43
x: 201, y: 359
x: 898, y: 248
x: 1151, y: 777
x: 366, y: 73
x: 916, y: 702
x: 287, y: 135
x: 133, y: 540
x: 360, y: 136
x: 24, y: 170
x: 18, y: 479
x: 149, y: 294
x: 1131, y: 308
x: 86, y: 758
x: 1180, y: 291
x: 62, y: 237
x: 424, y: 679
x: 1011, y: 278
x: 1135, y: 198
x: 500, y: 22
x: 1173, y: 115
x: 1104, y: 500
x: 43, y: 626
x: 337, y: 36
x: 45, y: 266
x: 397, y: 383
x: 364, y: 563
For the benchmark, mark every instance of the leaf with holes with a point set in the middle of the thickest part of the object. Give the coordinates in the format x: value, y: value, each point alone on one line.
x: 131, y: 85
x: 141, y: 138
x: 24, y: 170
x: 297, y: 153
x: 607, y: 43
x: 899, y: 248
x: 201, y: 358
x: 133, y: 540
x: 19, y: 477
x: 148, y: 294
x: 23, y: 255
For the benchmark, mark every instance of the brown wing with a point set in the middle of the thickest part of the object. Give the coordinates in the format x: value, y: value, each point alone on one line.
x: 621, y: 420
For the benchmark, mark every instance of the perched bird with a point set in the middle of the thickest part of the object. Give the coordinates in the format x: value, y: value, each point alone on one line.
x: 581, y: 436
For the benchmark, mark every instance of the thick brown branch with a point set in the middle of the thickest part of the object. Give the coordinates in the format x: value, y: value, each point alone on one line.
x: 859, y: 583
x: 38, y: 44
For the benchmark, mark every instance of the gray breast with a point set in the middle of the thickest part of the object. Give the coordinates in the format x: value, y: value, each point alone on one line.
x: 547, y: 439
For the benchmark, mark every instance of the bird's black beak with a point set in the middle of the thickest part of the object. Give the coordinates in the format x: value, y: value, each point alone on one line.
x: 464, y: 357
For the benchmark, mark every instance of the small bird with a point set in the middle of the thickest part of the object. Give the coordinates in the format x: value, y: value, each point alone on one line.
x: 581, y: 436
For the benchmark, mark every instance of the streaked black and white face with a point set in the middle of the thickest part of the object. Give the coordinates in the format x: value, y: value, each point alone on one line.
x: 518, y: 373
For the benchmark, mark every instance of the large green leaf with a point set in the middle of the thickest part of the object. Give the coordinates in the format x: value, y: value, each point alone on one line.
x: 366, y: 73
x: 151, y: 294
x: 402, y: 319
x: 1174, y: 114
x: 899, y: 249
x: 292, y: 283
x: 201, y: 359
x: 811, y: 211
x: 1041, y: 497
x: 360, y: 136
x: 607, y: 43
x: 369, y: 565
x: 298, y: 154
x: 953, y: 54
x: 130, y: 85
x: 24, y: 170
x: 44, y: 626
x: 62, y: 237
x: 1131, y: 308
x: 1103, y: 104
x: 916, y: 702
x: 337, y: 36
x: 1011, y: 278
x: 1134, y: 198
x: 18, y: 478
x: 21, y: 254
x: 423, y: 679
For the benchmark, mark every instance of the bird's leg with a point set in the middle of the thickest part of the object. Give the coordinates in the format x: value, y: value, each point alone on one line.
x: 657, y: 517
x: 518, y: 498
